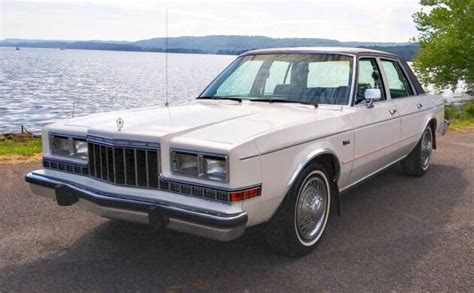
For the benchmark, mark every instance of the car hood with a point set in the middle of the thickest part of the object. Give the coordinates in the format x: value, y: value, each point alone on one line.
x: 226, y: 122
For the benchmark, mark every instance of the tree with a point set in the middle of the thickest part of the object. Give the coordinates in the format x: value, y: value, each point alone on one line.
x: 446, y: 38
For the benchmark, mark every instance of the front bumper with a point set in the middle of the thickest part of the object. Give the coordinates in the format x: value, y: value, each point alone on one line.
x: 208, y: 224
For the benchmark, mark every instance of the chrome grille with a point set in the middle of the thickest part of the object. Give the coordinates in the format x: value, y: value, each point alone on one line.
x: 128, y: 166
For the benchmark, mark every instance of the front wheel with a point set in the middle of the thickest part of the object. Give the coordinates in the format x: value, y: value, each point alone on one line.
x: 419, y: 160
x: 301, y: 220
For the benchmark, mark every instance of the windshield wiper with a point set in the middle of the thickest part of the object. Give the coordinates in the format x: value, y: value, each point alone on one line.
x: 219, y: 98
x: 273, y: 100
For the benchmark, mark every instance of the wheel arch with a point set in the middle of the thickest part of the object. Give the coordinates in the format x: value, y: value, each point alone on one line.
x: 432, y: 123
x: 330, y: 161
x: 326, y: 157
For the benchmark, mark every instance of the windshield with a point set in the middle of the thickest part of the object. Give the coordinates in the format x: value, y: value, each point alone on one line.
x: 305, y: 78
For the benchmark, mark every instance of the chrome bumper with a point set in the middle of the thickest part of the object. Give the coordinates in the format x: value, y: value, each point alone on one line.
x: 222, y: 227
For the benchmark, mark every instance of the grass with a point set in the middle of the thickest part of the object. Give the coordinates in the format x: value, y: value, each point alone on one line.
x: 460, y: 118
x: 459, y: 125
x: 23, y: 148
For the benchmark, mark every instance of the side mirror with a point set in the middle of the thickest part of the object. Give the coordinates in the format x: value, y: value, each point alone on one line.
x: 371, y: 95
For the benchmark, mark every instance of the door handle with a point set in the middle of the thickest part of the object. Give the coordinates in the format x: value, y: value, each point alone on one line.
x: 419, y: 106
x: 392, y: 111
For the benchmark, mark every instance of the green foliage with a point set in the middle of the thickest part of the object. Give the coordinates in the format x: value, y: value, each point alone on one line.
x: 21, y: 148
x: 469, y: 110
x: 446, y: 38
x: 460, y: 125
x: 451, y: 112
x: 460, y: 117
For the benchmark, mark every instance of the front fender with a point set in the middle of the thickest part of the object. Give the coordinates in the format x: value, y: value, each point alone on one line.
x: 323, y: 150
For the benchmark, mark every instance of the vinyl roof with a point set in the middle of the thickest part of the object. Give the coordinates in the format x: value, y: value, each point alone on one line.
x: 334, y: 50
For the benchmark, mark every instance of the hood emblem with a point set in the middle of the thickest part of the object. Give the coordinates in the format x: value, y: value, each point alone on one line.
x: 120, y: 123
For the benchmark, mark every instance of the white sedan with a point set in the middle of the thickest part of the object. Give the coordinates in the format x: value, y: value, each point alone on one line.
x: 274, y: 139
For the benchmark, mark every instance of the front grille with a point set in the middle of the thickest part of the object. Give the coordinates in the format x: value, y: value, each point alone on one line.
x: 128, y: 166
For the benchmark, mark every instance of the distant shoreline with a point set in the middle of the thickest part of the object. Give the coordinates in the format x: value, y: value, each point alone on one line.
x: 144, y: 50
x: 116, y: 50
x: 216, y: 45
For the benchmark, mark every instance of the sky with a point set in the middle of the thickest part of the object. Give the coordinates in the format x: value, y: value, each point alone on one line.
x: 344, y: 20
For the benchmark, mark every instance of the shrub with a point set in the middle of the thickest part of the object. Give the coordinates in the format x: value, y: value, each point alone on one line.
x: 469, y: 110
x: 451, y: 112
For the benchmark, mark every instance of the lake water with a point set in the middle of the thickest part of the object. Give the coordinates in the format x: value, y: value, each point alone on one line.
x: 39, y: 86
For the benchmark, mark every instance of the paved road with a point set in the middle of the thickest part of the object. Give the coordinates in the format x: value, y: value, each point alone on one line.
x: 396, y: 233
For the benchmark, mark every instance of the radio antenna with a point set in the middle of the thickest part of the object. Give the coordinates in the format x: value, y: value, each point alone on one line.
x: 166, y: 59
x: 73, y: 107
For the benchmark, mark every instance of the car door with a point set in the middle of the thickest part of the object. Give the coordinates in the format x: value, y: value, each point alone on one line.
x: 376, y: 129
x: 410, y: 106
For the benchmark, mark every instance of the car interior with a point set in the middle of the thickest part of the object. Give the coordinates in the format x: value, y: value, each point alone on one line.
x: 297, y: 88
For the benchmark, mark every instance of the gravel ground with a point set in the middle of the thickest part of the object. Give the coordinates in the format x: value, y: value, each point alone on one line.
x: 395, y: 233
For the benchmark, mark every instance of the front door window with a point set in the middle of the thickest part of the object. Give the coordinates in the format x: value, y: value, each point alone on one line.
x: 369, y: 77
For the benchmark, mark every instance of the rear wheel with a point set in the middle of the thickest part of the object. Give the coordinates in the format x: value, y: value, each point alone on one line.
x: 301, y: 220
x: 419, y: 160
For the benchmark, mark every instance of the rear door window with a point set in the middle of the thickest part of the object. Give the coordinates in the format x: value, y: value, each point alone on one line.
x: 396, y: 79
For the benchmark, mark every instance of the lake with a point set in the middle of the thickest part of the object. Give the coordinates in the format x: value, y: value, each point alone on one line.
x: 39, y: 86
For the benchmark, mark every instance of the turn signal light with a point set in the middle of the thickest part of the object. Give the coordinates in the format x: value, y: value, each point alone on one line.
x: 245, y: 194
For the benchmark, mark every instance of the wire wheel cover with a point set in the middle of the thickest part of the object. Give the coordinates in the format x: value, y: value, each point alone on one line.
x: 311, y: 208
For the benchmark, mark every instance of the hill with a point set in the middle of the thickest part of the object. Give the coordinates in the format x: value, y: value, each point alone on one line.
x: 217, y: 44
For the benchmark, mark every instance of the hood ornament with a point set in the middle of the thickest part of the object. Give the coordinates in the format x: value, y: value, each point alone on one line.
x: 120, y: 123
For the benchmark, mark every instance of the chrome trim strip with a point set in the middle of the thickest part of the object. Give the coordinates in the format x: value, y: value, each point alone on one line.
x: 295, y: 52
x: 146, y: 169
x: 65, y: 162
x: 346, y: 188
x: 115, y: 169
x: 124, y: 168
x: 91, y: 160
x: 136, y: 166
x: 353, y: 82
x: 122, y: 143
x: 107, y: 163
x: 308, y: 158
x: 67, y: 135
x: 100, y: 161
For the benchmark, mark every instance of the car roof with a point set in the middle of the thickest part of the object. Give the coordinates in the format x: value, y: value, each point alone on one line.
x: 314, y: 50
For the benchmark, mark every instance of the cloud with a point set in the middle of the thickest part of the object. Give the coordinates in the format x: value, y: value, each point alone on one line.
x: 363, y: 20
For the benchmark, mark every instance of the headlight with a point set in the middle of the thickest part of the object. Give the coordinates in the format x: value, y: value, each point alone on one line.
x: 80, y: 149
x: 199, y: 165
x: 70, y: 147
x: 184, y: 163
x: 214, y: 168
x: 61, y: 146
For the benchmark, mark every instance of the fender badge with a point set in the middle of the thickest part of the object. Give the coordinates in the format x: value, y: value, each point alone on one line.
x: 120, y: 123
